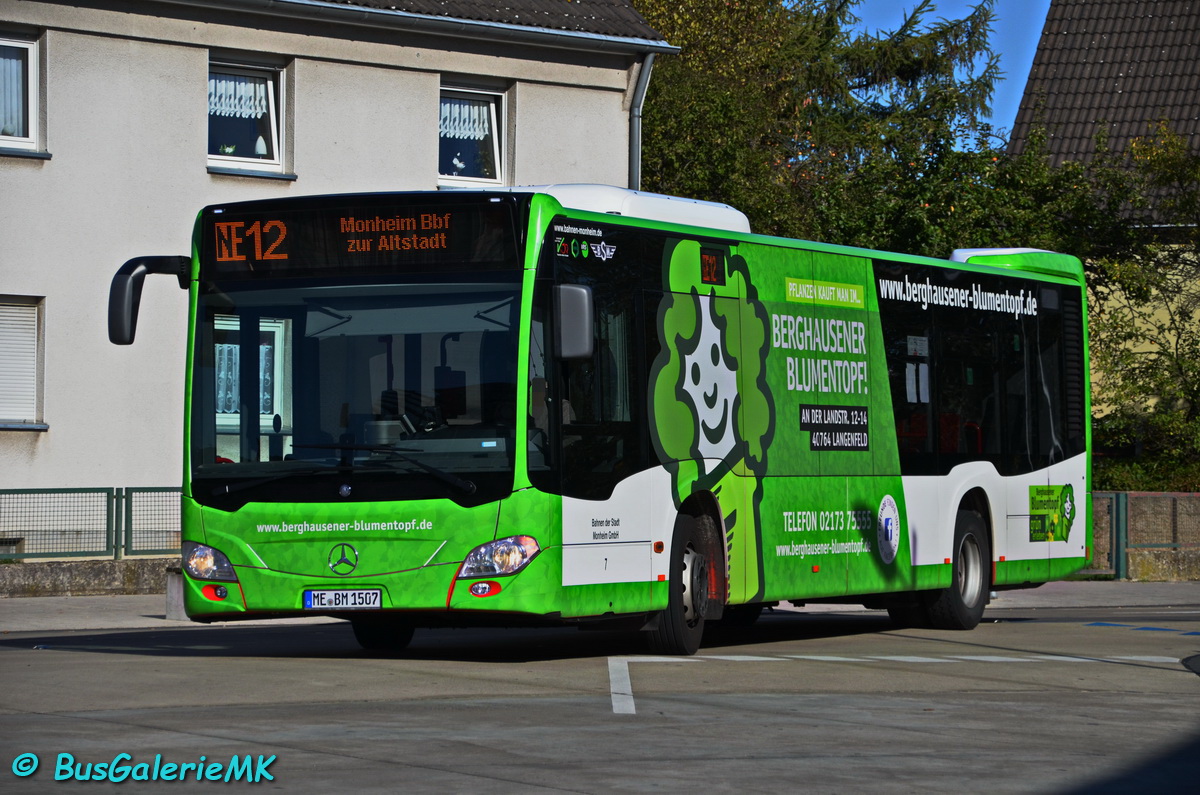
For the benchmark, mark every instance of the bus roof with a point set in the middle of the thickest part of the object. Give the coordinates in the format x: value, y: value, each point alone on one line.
x: 1024, y: 259
x: 612, y: 200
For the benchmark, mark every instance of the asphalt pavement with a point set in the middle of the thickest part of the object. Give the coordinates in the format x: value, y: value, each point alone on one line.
x: 69, y: 613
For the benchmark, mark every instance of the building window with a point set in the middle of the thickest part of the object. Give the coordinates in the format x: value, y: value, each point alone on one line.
x: 243, y: 118
x: 20, y: 362
x: 469, y: 136
x: 272, y: 358
x: 18, y: 94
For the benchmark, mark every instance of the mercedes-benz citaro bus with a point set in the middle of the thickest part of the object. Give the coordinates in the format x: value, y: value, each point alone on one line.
x: 579, y: 404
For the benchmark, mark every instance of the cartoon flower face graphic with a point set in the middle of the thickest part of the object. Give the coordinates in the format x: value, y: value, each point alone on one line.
x: 1064, y: 517
x: 710, y: 383
x: 711, y: 438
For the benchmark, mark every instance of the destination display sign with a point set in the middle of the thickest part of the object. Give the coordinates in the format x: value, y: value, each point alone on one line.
x: 372, y: 234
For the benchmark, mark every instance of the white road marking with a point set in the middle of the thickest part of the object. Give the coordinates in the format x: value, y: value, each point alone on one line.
x: 621, y: 688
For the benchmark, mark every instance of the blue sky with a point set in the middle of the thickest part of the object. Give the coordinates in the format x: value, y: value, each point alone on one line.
x: 1016, y: 26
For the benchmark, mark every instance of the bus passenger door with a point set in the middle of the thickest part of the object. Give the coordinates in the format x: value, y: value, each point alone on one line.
x: 608, y: 487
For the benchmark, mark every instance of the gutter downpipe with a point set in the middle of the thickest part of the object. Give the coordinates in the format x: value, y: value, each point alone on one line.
x: 635, y: 122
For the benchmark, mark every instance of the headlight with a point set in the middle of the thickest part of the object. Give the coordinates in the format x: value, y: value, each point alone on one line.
x: 504, y: 556
x: 205, y: 563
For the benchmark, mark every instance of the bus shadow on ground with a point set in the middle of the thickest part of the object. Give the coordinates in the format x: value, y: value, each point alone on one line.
x: 788, y: 626
x: 1174, y: 770
x: 335, y: 641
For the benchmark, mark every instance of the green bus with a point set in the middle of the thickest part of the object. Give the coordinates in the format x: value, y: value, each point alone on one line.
x: 579, y: 404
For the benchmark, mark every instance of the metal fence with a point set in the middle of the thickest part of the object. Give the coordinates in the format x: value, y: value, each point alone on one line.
x: 116, y: 522
x: 1109, y: 523
x: 1142, y: 523
x: 91, y: 523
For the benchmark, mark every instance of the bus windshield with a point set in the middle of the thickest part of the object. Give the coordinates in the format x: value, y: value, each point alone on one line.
x: 319, y: 390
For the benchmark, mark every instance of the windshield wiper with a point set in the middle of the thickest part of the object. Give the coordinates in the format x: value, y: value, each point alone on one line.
x: 482, y: 314
x: 466, y: 486
x: 340, y: 318
x: 230, y: 488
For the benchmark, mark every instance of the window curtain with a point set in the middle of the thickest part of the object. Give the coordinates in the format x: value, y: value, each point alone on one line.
x: 228, y: 388
x: 465, y: 119
x: 228, y: 380
x: 12, y: 91
x: 238, y: 96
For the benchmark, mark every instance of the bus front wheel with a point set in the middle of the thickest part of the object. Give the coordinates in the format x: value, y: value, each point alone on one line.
x: 381, y: 634
x: 681, y: 626
x: 961, y: 605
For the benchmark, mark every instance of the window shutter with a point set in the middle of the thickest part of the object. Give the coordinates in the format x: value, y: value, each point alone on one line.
x: 18, y: 363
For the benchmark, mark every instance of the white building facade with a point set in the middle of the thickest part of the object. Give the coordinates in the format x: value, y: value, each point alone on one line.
x: 120, y: 120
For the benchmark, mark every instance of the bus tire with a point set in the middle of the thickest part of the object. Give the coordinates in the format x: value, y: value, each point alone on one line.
x: 961, y: 605
x: 681, y: 626
x: 382, y: 634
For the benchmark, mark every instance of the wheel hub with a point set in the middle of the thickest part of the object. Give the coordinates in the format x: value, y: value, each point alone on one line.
x: 695, y: 586
x: 970, y: 572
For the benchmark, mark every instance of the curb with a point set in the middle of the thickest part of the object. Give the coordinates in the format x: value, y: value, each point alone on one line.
x: 86, y: 577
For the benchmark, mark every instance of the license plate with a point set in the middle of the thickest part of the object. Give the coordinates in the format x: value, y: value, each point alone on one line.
x: 343, y: 599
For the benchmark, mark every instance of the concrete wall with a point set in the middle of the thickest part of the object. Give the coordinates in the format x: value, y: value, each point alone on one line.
x: 1164, y: 565
x: 86, y: 577
x: 125, y: 123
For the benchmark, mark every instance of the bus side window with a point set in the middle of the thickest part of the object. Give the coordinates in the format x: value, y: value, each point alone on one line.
x: 906, y: 337
x: 966, y: 386
x: 1016, y: 442
x: 1048, y: 377
x: 1074, y: 375
x: 602, y: 434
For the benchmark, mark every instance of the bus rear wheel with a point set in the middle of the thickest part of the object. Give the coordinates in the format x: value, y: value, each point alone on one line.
x: 681, y: 626
x: 382, y: 634
x: 961, y: 605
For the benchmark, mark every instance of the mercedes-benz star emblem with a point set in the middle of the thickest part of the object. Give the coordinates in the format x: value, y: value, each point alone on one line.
x: 343, y: 559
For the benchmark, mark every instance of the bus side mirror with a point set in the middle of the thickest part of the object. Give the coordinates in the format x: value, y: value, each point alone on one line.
x: 125, y: 294
x: 573, y: 321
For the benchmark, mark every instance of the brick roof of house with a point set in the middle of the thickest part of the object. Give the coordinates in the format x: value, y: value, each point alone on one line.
x: 616, y: 18
x: 1124, y: 63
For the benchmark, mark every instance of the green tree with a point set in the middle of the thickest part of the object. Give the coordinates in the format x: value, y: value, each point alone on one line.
x: 711, y: 108
x: 816, y: 131
x: 779, y: 108
x: 1145, y: 326
x: 888, y: 141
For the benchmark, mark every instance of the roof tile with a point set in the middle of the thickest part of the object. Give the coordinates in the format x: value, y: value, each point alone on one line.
x: 1127, y: 63
x: 616, y: 18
